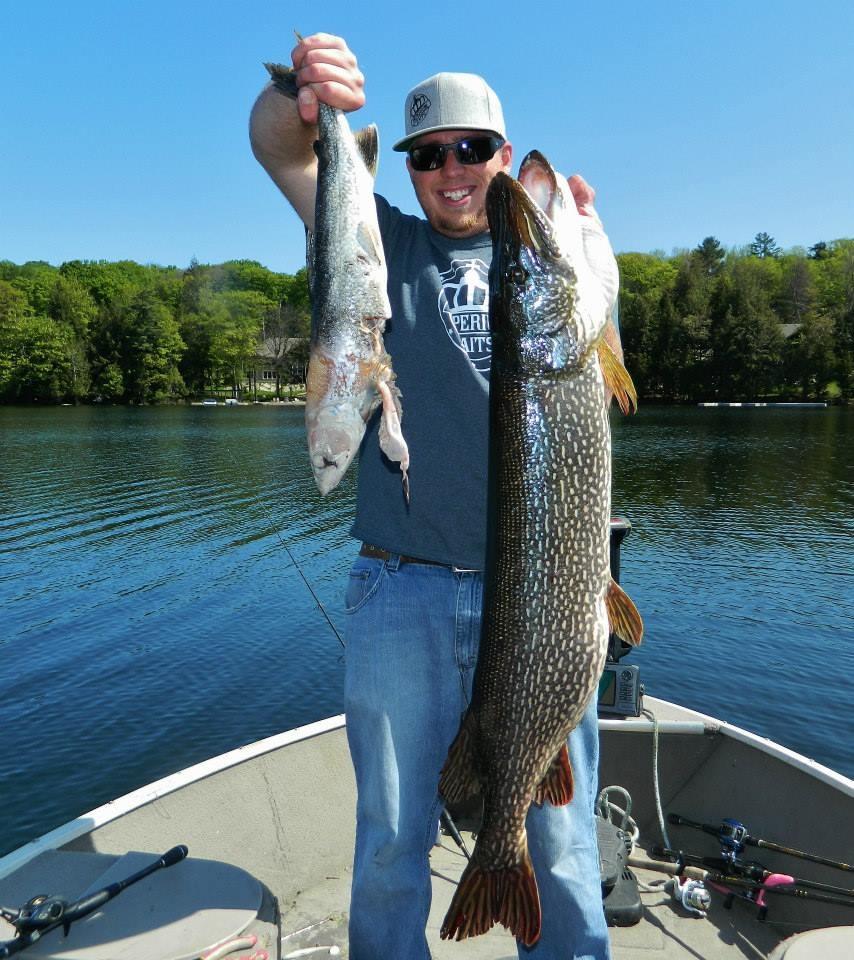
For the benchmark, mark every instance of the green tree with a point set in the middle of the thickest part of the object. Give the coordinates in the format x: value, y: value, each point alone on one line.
x: 36, y: 280
x: 809, y: 357
x: 70, y: 303
x: 745, y: 337
x: 643, y: 280
x: 39, y: 361
x: 711, y: 255
x: 238, y: 318
x: 150, y: 347
x: 763, y: 246
x: 796, y: 297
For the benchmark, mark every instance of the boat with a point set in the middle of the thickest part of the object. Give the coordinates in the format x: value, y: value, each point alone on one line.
x: 715, y: 843
x: 270, y: 832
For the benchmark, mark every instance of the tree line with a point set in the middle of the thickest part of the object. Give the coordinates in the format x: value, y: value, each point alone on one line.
x: 700, y: 324
x: 743, y: 324
x: 124, y: 332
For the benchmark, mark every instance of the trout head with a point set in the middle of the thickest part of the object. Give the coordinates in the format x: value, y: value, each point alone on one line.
x: 547, y: 306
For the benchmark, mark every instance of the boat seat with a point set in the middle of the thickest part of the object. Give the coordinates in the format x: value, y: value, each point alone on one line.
x: 826, y: 943
x: 174, y: 914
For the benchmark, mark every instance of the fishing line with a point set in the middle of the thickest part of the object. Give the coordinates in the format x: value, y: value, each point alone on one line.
x: 272, y: 521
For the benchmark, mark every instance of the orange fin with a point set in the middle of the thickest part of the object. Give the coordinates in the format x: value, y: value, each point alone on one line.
x: 617, y: 378
x: 557, y: 785
x: 459, y: 779
x: 623, y: 616
x: 484, y: 897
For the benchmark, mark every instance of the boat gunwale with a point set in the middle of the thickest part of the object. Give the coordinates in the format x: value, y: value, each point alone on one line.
x: 696, y: 724
x: 114, y: 809
x: 764, y: 744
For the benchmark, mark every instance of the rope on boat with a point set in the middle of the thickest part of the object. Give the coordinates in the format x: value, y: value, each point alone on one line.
x: 656, y: 789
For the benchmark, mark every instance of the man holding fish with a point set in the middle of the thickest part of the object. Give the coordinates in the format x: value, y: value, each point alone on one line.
x: 415, y: 597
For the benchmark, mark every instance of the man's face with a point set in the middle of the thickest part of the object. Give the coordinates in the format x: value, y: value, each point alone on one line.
x: 453, y: 197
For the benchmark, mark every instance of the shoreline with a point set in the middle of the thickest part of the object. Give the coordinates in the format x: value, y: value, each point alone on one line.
x: 249, y: 403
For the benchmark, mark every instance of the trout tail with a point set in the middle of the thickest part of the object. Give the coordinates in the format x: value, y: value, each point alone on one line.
x: 484, y: 897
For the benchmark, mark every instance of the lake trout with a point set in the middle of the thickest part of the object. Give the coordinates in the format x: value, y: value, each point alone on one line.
x: 349, y: 371
x: 547, y: 580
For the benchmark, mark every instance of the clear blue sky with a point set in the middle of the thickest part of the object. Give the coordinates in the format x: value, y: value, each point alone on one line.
x: 124, y: 124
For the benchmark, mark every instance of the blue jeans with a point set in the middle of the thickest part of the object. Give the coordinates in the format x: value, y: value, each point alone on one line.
x: 412, y: 636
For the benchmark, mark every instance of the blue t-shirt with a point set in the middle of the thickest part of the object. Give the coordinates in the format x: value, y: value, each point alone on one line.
x: 440, y: 346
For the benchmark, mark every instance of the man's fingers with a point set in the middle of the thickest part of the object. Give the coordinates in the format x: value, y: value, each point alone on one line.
x: 307, y: 105
x: 344, y: 86
x: 326, y: 65
x: 583, y: 194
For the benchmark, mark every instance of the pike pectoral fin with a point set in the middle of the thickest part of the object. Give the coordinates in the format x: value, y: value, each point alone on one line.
x: 617, y: 378
x: 557, y: 785
x: 459, y: 778
x: 484, y: 897
x: 623, y: 616
x: 391, y: 439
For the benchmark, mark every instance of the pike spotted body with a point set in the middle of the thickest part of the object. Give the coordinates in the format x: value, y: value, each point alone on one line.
x: 545, y: 626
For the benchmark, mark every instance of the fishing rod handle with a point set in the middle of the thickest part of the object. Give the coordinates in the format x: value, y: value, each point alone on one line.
x: 679, y: 821
x: 81, y: 908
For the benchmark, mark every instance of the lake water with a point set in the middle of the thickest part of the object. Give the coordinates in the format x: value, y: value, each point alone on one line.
x: 151, y: 615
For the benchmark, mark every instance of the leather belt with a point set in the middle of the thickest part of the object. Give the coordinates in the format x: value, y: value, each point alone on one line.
x: 369, y: 550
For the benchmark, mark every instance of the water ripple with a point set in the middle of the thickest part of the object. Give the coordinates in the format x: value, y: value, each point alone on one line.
x: 147, y: 573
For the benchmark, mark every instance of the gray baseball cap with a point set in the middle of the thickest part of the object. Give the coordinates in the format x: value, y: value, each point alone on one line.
x: 451, y: 101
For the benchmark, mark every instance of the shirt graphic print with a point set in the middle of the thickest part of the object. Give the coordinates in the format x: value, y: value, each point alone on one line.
x: 464, y: 309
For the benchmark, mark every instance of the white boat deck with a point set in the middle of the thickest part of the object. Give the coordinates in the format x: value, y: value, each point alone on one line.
x: 282, y: 810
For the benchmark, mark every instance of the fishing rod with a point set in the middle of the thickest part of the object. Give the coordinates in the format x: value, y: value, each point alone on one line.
x: 733, y: 838
x: 724, y: 874
x: 749, y: 871
x: 41, y: 914
x: 272, y: 521
x: 447, y: 820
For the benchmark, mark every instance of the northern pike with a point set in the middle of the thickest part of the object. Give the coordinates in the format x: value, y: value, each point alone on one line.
x: 349, y: 371
x: 548, y: 590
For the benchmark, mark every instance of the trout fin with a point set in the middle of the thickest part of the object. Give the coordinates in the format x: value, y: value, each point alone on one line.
x: 284, y: 79
x: 617, y: 378
x: 557, y: 785
x: 391, y: 439
x: 459, y: 779
x: 508, y: 896
x: 368, y: 143
x: 623, y: 617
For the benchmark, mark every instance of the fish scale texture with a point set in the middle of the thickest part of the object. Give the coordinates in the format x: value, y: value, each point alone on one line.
x: 545, y: 633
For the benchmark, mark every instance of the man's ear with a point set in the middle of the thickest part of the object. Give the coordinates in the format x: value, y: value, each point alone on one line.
x: 507, y: 156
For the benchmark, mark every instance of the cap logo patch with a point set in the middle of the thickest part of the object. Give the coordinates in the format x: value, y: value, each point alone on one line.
x: 418, y: 109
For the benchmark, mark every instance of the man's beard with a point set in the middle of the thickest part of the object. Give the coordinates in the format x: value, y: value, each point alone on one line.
x: 469, y: 225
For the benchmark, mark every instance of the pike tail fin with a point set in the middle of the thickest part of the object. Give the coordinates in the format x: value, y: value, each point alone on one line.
x: 459, y: 779
x: 623, y: 616
x: 484, y: 897
x: 617, y: 378
x: 557, y: 785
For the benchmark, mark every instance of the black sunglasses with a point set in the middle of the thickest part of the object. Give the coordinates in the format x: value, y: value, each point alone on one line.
x: 471, y: 150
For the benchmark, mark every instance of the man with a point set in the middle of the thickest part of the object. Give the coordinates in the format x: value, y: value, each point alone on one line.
x: 414, y: 598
